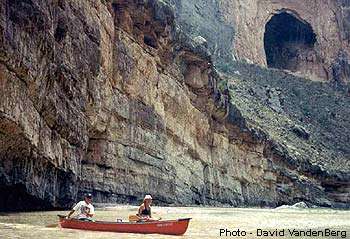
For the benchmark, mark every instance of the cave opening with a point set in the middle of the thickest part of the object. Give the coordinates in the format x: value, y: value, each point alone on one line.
x: 289, y: 42
x: 16, y: 198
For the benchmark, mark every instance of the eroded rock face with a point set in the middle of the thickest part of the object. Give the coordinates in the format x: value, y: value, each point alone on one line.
x: 328, y: 21
x: 115, y: 98
x: 94, y: 98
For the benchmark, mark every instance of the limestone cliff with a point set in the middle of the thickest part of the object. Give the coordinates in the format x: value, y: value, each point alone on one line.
x: 124, y: 97
x: 287, y: 26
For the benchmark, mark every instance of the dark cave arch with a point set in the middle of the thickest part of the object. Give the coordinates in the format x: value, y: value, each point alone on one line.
x: 289, y: 42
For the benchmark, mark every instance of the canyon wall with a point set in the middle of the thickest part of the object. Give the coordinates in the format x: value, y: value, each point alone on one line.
x: 121, y: 98
x: 328, y: 60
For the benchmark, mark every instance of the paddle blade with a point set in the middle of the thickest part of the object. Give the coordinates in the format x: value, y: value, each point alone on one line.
x: 52, y: 225
x: 134, y: 218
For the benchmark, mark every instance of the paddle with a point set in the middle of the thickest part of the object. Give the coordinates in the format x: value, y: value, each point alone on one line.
x: 135, y: 218
x: 52, y: 225
x: 55, y: 224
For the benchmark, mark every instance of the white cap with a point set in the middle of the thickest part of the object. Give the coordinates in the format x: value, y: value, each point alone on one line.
x: 147, y: 197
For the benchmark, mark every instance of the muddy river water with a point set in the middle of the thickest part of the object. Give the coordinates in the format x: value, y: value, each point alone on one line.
x: 205, y: 223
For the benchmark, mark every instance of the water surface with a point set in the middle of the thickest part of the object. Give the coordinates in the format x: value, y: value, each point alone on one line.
x: 206, y: 222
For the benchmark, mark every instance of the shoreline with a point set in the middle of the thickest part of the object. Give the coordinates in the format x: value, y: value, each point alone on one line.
x: 128, y: 205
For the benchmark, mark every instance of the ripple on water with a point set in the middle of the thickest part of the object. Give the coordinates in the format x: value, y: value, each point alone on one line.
x: 206, y: 222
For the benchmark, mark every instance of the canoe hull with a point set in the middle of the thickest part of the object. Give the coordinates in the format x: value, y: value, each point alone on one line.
x: 168, y: 227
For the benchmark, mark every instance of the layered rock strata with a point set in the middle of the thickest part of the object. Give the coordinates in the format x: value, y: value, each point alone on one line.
x: 117, y: 98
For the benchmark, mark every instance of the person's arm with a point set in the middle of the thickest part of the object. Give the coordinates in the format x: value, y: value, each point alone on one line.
x: 91, y: 213
x: 70, y: 213
x: 140, y: 210
x: 75, y: 208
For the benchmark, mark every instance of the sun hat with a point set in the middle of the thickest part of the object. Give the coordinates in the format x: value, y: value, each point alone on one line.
x: 148, y: 197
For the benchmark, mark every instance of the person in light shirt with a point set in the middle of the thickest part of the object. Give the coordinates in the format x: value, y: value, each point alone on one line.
x: 84, y: 209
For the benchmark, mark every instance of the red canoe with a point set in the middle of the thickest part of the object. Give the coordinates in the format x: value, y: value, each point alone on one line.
x: 168, y: 227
